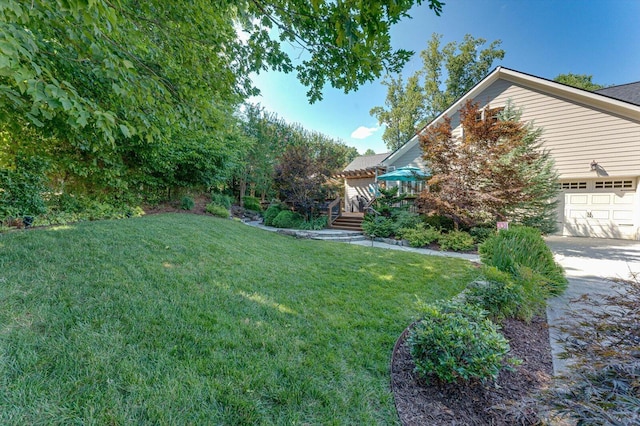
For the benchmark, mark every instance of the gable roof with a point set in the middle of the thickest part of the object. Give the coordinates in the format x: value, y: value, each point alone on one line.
x: 625, y: 92
x: 593, y: 99
x: 364, y: 162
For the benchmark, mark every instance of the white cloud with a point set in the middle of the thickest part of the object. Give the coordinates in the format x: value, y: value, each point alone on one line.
x: 364, y: 132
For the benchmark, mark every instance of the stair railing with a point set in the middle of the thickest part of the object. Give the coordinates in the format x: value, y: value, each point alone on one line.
x: 368, y: 208
x: 332, y: 212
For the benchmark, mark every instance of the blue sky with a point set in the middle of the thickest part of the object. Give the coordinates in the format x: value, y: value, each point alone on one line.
x: 541, y: 37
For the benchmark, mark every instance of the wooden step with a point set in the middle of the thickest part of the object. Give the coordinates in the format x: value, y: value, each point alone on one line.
x: 350, y: 223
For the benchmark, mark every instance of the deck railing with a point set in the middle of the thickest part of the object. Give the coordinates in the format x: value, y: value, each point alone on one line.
x: 333, y: 211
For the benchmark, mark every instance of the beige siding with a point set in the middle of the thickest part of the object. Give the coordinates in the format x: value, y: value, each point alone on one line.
x: 411, y: 158
x: 575, y: 134
x: 355, y: 187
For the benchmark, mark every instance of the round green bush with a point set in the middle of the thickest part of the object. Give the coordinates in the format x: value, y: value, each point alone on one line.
x: 271, y: 213
x: 287, y: 219
x: 378, y: 226
x: 419, y: 236
x: 512, y: 248
x: 455, y: 341
x: 187, y: 203
x: 222, y: 200
x: 251, y: 203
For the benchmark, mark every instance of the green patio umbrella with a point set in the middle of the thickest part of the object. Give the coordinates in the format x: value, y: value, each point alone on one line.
x: 405, y: 174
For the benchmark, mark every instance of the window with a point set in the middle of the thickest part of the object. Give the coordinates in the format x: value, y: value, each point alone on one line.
x: 412, y: 188
x: 573, y: 185
x: 622, y: 184
x: 489, y: 114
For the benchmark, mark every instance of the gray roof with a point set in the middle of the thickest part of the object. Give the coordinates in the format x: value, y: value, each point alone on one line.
x: 625, y: 92
x: 366, y: 162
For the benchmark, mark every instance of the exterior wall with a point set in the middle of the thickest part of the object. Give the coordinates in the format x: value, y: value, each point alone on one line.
x: 412, y: 158
x: 574, y: 133
x: 357, y: 187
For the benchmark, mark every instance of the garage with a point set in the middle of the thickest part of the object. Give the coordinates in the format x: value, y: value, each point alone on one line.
x: 601, y: 208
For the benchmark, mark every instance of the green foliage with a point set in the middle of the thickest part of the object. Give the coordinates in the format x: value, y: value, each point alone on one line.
x: 455, y: 341
x: 581, y: 81
x: 409, y: 107
x: 506, y: 296
x: 187, y: 203
x: 481, y: 233
x: 287, y: 219
x: 378, y: 226
x: 217, y: 210
x: 405, y: 219
x: 251, y: 203
x: 419, y: 236
x: 456, y: 241
x: 222, y: 199
x: 315, y: 224
x: 272, y: 211
x: 22, y: 188
x: 602, y: 339
x: 439, y: 222
x: 519, y: 246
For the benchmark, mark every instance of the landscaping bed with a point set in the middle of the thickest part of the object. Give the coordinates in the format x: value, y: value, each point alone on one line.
x: 507, y: 402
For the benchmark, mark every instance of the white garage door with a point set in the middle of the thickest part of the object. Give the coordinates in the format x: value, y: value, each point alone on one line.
x: 600, y: 208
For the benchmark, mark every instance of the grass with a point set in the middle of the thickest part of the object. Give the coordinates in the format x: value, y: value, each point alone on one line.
x: 184, y: 319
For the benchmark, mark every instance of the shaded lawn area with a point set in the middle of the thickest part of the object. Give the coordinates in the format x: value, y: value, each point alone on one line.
x: 175, y: 318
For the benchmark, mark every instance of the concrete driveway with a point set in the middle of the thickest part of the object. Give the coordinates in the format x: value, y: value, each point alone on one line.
x: 590, y: 264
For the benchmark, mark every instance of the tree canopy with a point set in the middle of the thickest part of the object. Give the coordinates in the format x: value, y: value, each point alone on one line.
x: 581, y: 81
x: 411, y: 105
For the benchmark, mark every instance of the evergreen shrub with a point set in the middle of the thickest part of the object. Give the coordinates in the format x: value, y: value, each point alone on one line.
x: 271, y: 213
x: 223, y: 200
x: 287, y: 219
x: 251, y: 203
x: 378, y: 226
x: 187, y: 203
x: 419, y: 236
x: 455, y: 341
x: 217, y: 210
x: 520, y: 246
x: 456, y: 241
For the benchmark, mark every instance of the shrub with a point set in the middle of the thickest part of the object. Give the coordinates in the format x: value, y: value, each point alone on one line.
x: 481, y: 233
x: 512, y: 248
x: 287, y: 219
x: 439, y: 222
x: 419, y: 236
x: 602, y: 383
x: 271, y: 213
x: 314, y: 224
x: 505, y: 296
x: 251, y: 203
x: 456, y: 241
x: 454, y: 341
x: 187, y: 203
x: 222, y: 200
x: 378, y: 226
x: 405, y: 219
x: 217, y: 210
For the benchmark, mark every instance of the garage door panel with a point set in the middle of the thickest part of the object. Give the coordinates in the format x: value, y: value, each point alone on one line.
x: 578, y: 199
x: 626, y: 215
x: 577, y: 214
x: 601, y: 199
x: 624, y: 199
x: 599, y: 214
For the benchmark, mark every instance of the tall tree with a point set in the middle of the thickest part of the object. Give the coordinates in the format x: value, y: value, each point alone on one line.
x: 498, y: 171
x: 405, y: 109
x: 409, y: 107
x: 369, y: 151
x: 581, y: 81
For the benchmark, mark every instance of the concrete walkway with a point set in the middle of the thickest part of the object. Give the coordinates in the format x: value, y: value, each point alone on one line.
x: 590, y: 265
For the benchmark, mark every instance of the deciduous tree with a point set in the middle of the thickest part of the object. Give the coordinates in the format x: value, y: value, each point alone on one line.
x: 497, y: 171
x: 581, y: 81
x: 409, y: 107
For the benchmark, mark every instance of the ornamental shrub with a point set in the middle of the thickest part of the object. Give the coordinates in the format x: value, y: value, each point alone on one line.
x: 287, y: 219
x: 378, y: 226
x: 251, y: 203
x: 455, y: 341
x: 419, y: 236
x: 506, y: 296
x: 481, y: 233
x: 456, y: 241
x: 518, y: 246
x: 217, y: 210
x: 222, y: 200
x: 187, y: 203
x: 314, y: 224
x: 271, y: 213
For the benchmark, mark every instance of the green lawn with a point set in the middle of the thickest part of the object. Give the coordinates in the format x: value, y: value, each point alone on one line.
x: 184, y: 319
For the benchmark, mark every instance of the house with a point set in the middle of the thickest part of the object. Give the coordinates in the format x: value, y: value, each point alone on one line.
x: 594, y: 138
x: 360, y: 180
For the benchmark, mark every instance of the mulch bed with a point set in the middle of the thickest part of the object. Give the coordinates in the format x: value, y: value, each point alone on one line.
x: 508, y: 402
